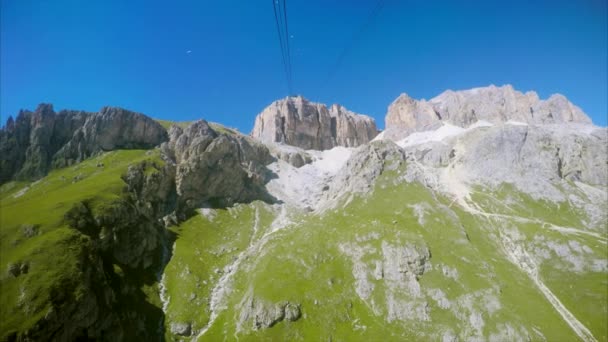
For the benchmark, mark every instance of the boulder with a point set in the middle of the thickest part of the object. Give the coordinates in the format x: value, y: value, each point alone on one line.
x: 181, y: 329
x: 263, y: 314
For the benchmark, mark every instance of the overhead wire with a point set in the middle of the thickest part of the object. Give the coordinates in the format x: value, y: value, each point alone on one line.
x: 283, y: 39
x: 353, y: 41
x: 287, y: 39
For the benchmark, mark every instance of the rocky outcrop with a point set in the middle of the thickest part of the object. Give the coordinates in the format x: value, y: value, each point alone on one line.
x: 535, y: 155
x: 553, y: 162
x: 129, y: 230
x: 120, y: 248
x: 363, y: 167
x: 351, y: 129
x: 151, y: 188
x: 110, y: 129
x: 181, y: 329
x: 406, y: 114
x: 296, y: 121
x: 27, y: 144
x: 263, y: 314
x: 37, y: 141
x: 492, y: 104
x: 216, y: 168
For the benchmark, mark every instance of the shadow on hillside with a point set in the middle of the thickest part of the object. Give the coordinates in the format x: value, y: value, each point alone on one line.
x: 138, y: 301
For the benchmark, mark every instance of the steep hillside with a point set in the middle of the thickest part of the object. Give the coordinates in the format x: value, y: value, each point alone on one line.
x: 79, y: 259
x: 399, y: 261
x: 486, y: 223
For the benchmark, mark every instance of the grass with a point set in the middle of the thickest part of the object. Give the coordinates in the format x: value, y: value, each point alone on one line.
x: 306, y: 263
x: 204, y: 246
x: 312, y: 262
x: 167, y: 124
x: 55, y: 254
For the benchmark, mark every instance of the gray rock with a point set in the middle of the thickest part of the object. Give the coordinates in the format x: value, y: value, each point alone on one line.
x: 463, y: 108
x: 181, y: 329
x: 37, y: 141
x: 296, y: 121
x: 294, y: 156
x: 216, y: 169
x: 406, y: 115
x: 533, y: 156
x: 110, y: 129
x: 29, y: 230
x: 292, y: 312
x: 263, y: 314
x: 363, y: 167
x: 351, y: 129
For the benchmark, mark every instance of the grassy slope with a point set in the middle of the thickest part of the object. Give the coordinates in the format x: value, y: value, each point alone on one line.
x: 53, y: 254
x: 205, y: 245
x: 304, y: 263
x: 584, y: 293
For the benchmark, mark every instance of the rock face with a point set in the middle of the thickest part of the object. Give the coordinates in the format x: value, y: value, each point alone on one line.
x: 216, y: 169
x: 546, y: 162
x: 39, y: 140
x: 110, y: 129
x: 121, y: 249
x: 296, y: 121
x: 263, y: 314
x: 549, y: 153
x: 363, y: 167
x: 463, y: 108
x: 351, y: 129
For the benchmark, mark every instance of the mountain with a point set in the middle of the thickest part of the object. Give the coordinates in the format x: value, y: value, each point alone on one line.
x: 296, y: 121
x: 464, y: 108
x: 39, y: 140
x: 477, y: 215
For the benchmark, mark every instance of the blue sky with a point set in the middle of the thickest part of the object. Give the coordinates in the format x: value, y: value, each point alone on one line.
x: 87, y: 54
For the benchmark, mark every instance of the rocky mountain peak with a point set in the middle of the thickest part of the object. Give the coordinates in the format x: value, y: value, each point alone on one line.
x: 39, y: 140
x: 492, y: 104
x: 298, y: 122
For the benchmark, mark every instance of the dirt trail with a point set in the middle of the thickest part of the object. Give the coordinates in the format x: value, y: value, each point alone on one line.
x: 519, y: 256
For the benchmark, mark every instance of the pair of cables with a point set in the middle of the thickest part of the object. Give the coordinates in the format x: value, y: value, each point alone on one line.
x: 280, y: 17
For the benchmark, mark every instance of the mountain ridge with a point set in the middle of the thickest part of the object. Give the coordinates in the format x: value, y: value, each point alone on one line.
x: 442, y: 232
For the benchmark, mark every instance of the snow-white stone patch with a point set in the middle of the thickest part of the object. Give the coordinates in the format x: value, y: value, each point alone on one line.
x: 480, y: 123
x: 445, y: 131
x: 516, y: 123
x: 208, y: 213
x: 330, y: 161
x: 380, y: 136
x: 21, y: 192
x: 302, y: 187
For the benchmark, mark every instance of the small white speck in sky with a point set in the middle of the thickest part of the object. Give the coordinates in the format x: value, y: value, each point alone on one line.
x: 189, y: 51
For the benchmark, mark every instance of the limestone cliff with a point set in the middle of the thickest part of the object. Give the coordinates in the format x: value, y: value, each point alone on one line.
x: 492, y: 104
x: 37, y: 141
x: 296, y: 121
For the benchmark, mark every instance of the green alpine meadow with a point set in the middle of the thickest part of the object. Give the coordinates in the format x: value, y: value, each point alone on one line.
x: 479, y: 215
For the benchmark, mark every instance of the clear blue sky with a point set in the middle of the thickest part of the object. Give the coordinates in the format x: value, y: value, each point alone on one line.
x: 86, y: 54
